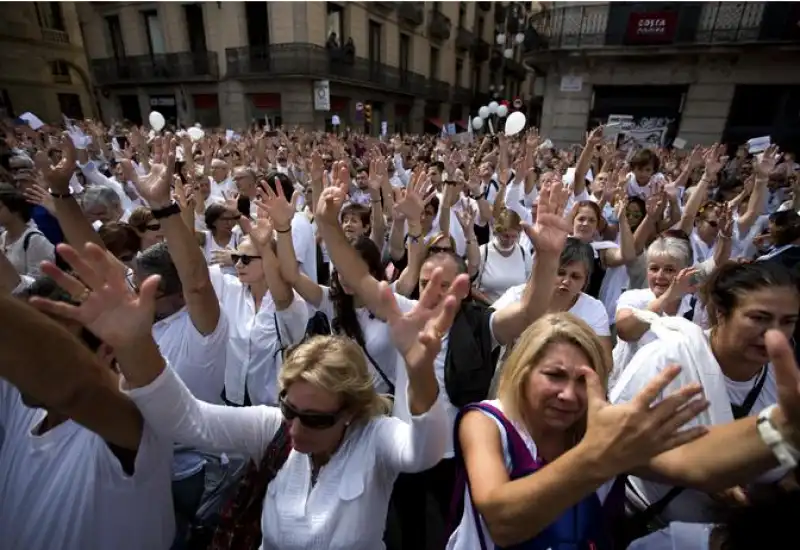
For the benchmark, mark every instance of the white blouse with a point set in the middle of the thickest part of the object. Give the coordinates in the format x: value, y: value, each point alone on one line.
x: 346, y: 508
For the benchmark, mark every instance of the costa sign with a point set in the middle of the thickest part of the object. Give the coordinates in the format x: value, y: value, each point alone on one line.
x: 651, y: 28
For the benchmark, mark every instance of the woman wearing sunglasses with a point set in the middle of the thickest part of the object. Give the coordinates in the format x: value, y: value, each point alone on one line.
x: 148, y: 228
x: 333, y: 489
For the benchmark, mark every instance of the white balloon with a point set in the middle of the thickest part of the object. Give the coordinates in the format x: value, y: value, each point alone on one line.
x: 483, y: 112
x: 493, y: 107
x: 508, y: 53
x: 501, y: 39
x: 196, y: 133
x: 520, y: 38
x: 502, y: 111
x: 157, y: 121
x: 515, y: 123
x: 477, y: 123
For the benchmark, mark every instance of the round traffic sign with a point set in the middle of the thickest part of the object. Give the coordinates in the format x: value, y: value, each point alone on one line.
x: 359, y: 106
x: 517, y: 103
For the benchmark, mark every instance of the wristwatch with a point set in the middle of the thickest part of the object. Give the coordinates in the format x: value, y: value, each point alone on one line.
x: 786, y: 454
x: 167, y: 211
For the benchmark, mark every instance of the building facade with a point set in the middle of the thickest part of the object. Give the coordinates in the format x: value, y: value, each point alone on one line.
x: 705, y: 71
x: 43, y: 68
x: 413, y: 65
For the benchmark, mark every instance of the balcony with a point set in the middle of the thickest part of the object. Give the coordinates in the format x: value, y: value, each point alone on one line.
x: 411, y: 13
x: 168, y: 67
x: 297, y: 60
x: 462, y: 95
x: 481, y: 50
x: 464, y: 39
x: 515, y: 69
x: 55, y: 36
x: 439, y: 26
x: 386, y: 7
x: 438, y: 90
x: 624, y: 24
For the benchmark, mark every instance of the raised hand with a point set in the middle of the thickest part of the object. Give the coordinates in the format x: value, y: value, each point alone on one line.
x: 58, y: 176
x: 329, y: 205
x: 106, y: 304
x: 684, y: 283
x: 787, y: 377
x: 155, y: 187
x: 418, y: 333
x: 275, y: 206
x: 35, y: 194
x: 550, y: 231
x: 625, y: 436
x: 261, y: 233
x: 764, y: 165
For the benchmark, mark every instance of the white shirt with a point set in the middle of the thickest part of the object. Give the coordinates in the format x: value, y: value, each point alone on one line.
x: 305, y: 245
x: 690, y: 505
x: 377, y: 339
x: 346, y: 508
x: 466, y: 537
x: 253, y: 355
x: 65, y: 488
x: 643, y: 192
x: 28, y: 262
x: 219, y: 190
x: 498, y: 273
x: 210, y: 245
x: 590, y: 310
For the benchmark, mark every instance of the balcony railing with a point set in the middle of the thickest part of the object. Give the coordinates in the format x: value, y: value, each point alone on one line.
x: 438, y: 90
x: 691, y: 24
x: 312, y: 61
x: 56, y: 36
x: 168, y: 67
x: 464, y: 39
x: 384, y: 6
x: 411, y: 13
x: 462, y: 95
x: 439, y: 26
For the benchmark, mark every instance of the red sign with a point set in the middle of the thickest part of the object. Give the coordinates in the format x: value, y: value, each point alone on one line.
x: 652, y: 27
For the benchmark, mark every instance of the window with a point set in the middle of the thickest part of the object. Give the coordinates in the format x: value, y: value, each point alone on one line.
x: 481, y: 24
x: 50, y: 15
x: 70, y: 105
x: 335, y: 23
x: 405, y: 52
x: 462, y: 14
x: 115, y: 36
x: 257, y: 24
x: 434, y: 63
x: 374, y: 42
x: 459, y: 71
x: 155, y: 36
x: 60, y: 71
x: 195, y: 26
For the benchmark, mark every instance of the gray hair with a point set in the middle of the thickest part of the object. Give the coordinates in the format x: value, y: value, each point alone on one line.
x: 671, y: 247
x: 98, y: 195
x: 576, y: 250
x: 156, y: 260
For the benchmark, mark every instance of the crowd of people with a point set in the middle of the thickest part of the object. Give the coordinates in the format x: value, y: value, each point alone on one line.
x: 297, y: 340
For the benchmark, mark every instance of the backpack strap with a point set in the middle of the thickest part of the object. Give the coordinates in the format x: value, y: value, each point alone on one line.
x: 479, y: 277
x: 26, y: 243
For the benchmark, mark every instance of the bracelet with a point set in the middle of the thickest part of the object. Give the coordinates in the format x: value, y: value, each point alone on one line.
x: 56, y: 195
x: 414, y: 238
x: 287, y: 230
x: 166, y: 212
x: 786, y: 454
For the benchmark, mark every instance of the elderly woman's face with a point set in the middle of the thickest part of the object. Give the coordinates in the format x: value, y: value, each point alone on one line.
x: 103, y: 214
x: 661, y: 271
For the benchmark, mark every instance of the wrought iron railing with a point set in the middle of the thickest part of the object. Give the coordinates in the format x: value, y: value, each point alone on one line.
x: 465, y: 38
x: 316, y: 62
x: 438, y: 26
x: 412, y: 13
x: 56, y: 36
x: 685, y: 24
x: 168, y: 67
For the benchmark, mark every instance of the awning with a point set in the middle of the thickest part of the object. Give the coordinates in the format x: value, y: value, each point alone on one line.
x: 436, y: 122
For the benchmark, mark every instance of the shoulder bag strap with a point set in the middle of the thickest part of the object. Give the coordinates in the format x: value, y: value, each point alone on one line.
x: 741, y: 411
x: 483, y: 265
x: 377, y: 367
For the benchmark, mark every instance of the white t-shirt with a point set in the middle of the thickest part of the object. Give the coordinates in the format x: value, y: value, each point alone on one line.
x: 643, y: 192
x: 466, y: 537
x: 65, y: 488
x: 498, y: 273
x: 690, y: 505
x: 305, y: 245
x: 28, y: 261
x: 377, y: 339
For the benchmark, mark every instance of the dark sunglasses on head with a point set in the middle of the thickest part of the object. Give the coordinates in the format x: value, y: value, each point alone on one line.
x: 244, y: 258
x: 438, y: 249
x: 313, y: 420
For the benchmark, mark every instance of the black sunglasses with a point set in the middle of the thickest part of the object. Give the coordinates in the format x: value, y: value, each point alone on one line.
x: 438, y: 249
x: 314, y: 421
x: 244, y: 258
x: 152, y: 226
x: 713, y: 223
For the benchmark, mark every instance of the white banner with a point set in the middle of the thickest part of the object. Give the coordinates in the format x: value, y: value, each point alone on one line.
x: 322, y: 95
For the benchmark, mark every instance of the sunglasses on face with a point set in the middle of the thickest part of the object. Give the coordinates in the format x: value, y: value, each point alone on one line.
x: 713, y: 223
x: 314, y: 421
x: 244, y: 258
x: 152, y: 226
x: 437, y: 249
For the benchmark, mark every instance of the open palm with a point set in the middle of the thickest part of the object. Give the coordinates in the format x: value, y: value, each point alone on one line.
x: 156, y: 185
x: 275, y: 205
x: 550, y: 232
x: 107, y: 305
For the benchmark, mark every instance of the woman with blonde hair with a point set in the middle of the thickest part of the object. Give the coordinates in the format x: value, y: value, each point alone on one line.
x: 331, y: 490
x: 540, y: 461
x: 504, y: 261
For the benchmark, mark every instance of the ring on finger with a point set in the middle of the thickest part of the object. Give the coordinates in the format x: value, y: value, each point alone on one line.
x: 83, y: 296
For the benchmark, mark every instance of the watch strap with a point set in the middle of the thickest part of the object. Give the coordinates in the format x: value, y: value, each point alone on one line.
x: 786, y: 454
x: 167, y: 211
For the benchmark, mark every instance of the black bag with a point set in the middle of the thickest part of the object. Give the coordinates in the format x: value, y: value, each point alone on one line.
x: 469, y: 364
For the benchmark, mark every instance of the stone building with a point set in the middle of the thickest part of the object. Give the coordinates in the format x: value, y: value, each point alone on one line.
x: 43, y: 67
x: 712, y: 70
x: 413, y: 65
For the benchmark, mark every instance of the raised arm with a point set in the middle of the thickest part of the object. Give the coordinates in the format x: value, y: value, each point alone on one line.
x: 201, y: 300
